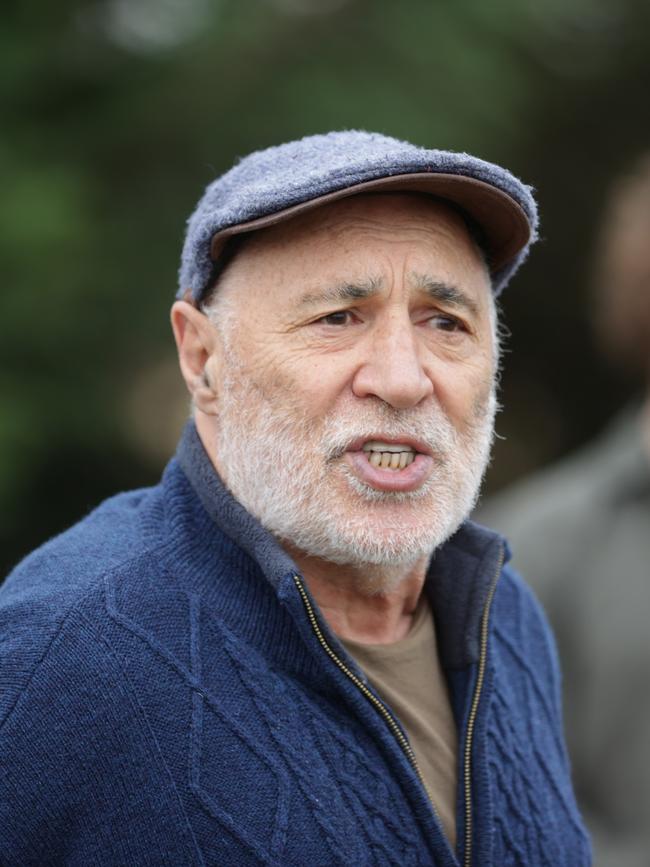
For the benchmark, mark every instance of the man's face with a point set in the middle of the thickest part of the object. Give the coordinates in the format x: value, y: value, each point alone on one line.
x: 356, y: 383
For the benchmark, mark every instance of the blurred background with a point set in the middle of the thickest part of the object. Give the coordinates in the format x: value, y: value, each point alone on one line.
x: 117, y: 113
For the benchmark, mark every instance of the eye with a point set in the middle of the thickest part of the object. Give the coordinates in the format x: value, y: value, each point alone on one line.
x: 338, y: 317
x: 444, y: 322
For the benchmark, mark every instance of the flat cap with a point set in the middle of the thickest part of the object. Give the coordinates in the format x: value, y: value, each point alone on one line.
x: 279, y: 183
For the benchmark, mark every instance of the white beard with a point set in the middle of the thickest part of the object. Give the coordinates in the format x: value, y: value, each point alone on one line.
x: 286, y: 468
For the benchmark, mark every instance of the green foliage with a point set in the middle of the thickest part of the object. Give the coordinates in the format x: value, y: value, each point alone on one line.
x: 116, y: 114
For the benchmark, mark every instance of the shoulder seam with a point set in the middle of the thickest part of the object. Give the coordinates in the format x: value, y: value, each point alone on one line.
x: 37, y: 666
x: 74, y: 607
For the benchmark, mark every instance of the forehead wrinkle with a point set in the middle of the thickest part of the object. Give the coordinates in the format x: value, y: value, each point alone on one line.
x: 447, y: 293
x: 342, y: 292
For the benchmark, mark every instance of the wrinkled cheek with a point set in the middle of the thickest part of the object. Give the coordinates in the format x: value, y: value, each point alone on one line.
x: 484, y: 404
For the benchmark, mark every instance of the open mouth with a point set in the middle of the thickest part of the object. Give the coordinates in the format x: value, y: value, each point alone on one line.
x: 391, y: 464
x: 389, y: 456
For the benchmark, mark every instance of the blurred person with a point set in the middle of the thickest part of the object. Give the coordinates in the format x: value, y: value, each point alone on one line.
x: 296, y: 649
x: 581, y: 532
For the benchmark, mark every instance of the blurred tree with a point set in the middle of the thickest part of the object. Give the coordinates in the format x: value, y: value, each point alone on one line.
x: 116, y: 113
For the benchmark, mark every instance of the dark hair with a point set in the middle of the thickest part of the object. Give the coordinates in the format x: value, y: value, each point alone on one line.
x: 621, y: 276
x: 228, y: 252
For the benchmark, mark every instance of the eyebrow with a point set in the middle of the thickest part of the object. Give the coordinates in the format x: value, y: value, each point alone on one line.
x: 438, y: 290
x: 446, y: 293
x: 343, y: 292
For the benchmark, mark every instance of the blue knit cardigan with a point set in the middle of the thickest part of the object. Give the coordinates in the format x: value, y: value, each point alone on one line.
x: 171, y: 695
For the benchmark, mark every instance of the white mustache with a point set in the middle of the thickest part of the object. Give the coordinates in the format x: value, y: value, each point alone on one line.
x: 437, y: 433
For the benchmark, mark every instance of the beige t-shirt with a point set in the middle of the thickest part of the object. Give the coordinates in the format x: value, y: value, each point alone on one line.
x: 408, y: 676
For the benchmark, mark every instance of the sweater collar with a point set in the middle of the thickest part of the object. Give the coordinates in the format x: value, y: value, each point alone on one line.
x: 458, y: 580
x: 228, y: 513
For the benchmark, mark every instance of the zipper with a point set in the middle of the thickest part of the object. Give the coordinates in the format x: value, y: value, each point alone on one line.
x: 471, y: 721
x: 392, y: 723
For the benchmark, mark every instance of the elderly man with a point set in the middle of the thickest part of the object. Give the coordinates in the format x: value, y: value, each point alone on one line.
x: 294, y: 650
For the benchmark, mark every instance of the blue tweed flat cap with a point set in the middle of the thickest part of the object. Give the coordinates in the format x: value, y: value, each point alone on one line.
x: 280, y: 182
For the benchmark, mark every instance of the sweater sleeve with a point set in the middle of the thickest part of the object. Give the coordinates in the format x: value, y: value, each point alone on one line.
x: 82, y: 780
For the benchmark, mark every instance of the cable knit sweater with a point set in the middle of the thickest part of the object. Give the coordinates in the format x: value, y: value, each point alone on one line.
x: 171, y: 695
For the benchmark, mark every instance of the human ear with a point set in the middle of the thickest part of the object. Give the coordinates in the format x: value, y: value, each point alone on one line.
x: 199, y: 354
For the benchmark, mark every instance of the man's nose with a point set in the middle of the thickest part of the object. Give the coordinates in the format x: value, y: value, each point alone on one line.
x: 392, y: 368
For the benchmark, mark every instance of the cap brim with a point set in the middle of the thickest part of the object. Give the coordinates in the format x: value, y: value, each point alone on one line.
x: 503, y: 221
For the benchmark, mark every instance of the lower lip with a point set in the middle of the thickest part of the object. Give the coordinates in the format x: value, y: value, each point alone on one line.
x: 408, y: 479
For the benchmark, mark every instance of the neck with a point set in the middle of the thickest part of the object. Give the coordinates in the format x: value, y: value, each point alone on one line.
x: 368, y: 604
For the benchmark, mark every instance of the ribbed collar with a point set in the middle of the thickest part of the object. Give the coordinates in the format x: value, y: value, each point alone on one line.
x: 227, y: 512
x: 458, y: 581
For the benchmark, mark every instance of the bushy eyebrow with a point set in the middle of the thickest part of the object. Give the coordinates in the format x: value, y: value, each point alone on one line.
x: 446, y: 293
x: 438, y: 290
x: 343, y: 292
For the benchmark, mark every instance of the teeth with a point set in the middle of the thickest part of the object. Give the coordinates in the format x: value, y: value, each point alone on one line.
x: 389, y: 456
x: 376, y: 446
x: 391, y: 460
